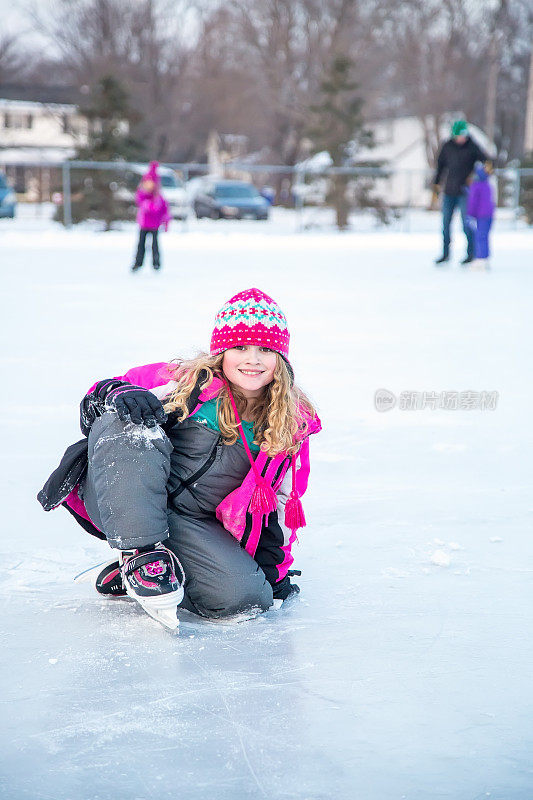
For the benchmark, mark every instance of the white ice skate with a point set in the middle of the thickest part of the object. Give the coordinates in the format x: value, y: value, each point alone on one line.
x: 155, y: 580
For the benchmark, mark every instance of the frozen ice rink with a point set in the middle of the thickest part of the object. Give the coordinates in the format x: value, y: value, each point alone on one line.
x: 403, y: 669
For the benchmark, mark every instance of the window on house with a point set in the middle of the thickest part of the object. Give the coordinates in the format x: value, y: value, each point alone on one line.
x: 17, y: 120
x: 29, y: 121
x: 66, y: 126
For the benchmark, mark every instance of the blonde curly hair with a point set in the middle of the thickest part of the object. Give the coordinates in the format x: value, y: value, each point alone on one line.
x: 280, y: 415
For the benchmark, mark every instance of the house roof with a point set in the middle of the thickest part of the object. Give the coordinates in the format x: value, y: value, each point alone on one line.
x: 61, y: 95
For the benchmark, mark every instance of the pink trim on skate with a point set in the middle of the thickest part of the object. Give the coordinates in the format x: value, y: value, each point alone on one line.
x: 147, y: 584
x: 111, y: 576
x: 155, y: 568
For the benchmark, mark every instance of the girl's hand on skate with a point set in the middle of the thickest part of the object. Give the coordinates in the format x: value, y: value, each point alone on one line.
x: 138, y: 405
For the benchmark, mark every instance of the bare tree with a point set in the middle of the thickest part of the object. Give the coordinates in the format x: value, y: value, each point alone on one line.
x: 516, y: 36
x: 146, y: 45
x: 267, y: 59
x: 254, y: 67
x: 11, y: 58
x: 439, y: 47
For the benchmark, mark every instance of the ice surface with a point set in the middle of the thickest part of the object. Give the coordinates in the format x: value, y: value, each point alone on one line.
x: 440, y: 558
x: 389, y: 677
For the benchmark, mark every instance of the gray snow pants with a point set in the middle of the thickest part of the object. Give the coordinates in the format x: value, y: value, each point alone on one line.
x: 125, y: 494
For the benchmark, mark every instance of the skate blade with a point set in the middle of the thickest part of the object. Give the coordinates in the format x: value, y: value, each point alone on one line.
x: 163, y: 608
x: 165, y: 616
x: 91, y: 573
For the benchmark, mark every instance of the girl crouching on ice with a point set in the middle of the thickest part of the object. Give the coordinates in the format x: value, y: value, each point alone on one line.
x: 194, y: 471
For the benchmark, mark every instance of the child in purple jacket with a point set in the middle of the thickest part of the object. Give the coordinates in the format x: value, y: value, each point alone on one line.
x: 153, y: 212
x: 481, y: 210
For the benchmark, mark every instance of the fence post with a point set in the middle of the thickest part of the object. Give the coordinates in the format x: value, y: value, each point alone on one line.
x: 299, y: 201
x: 517, y: 197
x: 185, y: 220
x: 407, y: 226
x: 67, y: 205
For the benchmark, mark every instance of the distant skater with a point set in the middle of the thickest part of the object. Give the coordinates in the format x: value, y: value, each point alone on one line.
x: 153, y: 212
x: 456, y: 158
x: 481, y: 212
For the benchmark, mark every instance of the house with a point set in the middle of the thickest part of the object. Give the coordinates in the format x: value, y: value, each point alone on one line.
x: 222, y: 149
x: 40, y: 127
x: 402, y: 148
x: 403, y: 152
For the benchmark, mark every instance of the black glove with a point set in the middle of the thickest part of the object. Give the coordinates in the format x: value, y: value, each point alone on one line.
x: 93, y: 404
x: 284, y: 589
x: 104, y: 397
x: 139, y: 405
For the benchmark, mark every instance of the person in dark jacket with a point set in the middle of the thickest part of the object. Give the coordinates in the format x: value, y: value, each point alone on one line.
x: 457, y: 159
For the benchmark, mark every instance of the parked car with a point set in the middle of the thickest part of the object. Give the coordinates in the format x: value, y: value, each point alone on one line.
x: 8, y: 200
x: 172, y: 188
x: 229, y: 200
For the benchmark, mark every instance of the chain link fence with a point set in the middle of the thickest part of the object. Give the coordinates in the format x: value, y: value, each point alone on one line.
x: 387, y: 193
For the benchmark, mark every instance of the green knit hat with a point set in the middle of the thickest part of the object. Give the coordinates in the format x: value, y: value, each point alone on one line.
x: 459, y: 128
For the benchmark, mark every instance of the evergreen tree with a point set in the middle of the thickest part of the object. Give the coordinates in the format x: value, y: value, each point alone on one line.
x: 110, y: 116
x: 337, y: 126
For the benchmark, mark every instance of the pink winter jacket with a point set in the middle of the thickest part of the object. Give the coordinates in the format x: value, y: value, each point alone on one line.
x: 233, y: 509
x: 153, y: 210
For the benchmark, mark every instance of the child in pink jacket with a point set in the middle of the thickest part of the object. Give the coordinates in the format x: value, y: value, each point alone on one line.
x: 194, y: 471
x: 153, y: 212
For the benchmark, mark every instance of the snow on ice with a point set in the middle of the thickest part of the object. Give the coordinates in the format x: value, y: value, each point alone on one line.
x: 440, y: 558
x: 389, y: 676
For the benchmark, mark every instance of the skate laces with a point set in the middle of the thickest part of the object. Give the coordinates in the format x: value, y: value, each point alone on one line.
x: 175, y: 562
x: 154, y: 562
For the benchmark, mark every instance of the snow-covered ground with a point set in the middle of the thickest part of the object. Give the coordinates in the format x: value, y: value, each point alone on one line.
x: 403, y: 670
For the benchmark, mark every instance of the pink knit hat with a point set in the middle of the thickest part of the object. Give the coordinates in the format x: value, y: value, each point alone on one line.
x: 152, y: 174
x: 251, y: 317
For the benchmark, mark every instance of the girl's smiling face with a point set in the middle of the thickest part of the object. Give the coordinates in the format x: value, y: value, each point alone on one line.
x: 249, y: 368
